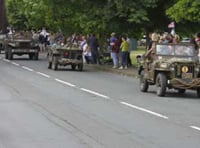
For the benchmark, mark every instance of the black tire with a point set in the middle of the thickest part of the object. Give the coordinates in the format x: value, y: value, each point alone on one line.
x: 80, y: 67
x: 30, y: 56
x: 49, y: 65
x: 198, y: 92
x: 10, y: 55
x: 73, y: 66
x: 55, y: 63
x: 161, y: 84
x: 181, y: 91
x: 6, y: 55
x: 144, y: 85
x: 35, y: 56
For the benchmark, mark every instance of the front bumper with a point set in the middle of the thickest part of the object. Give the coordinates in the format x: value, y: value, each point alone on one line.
x: 25, y: 50
x: 185, y: 83
x: 65, y: 61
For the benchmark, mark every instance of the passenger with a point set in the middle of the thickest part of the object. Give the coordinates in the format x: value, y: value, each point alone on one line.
x: 197, y: 39
x: 176, y: 39
x: 197, y: 43
x: 150, y: 53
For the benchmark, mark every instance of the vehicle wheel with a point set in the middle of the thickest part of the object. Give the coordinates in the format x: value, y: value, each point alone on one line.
x: 30, y: 56
x: 80, y: 67
x: 198, y: 92
x: 6, y: 55
x: 144, y: 85
x: 181, y: 91
x: 73, y: 66
x: 55, y: 63
x: 49, y: 65
x: 161, y: 84
x: 35, y: 56
x: 10, y: 55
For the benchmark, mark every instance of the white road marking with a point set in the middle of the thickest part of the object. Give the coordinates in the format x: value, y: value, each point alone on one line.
x: 16, y: 64
x: 195, y: 127
x: 95, y: 93
x: 43, y: 74
x: 66, y: 83
x: 144, y: 110
x: 29, y: 69
x: 6, y: 60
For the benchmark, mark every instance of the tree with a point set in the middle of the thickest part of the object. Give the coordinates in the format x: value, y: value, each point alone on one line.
x: 185, y: 10
x: 187, y: 16
x: 3, y: 18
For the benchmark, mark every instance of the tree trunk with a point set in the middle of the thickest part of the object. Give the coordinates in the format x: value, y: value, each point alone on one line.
x: 3, y: 17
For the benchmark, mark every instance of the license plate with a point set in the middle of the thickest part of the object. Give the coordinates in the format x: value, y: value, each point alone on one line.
x: 187, y: 75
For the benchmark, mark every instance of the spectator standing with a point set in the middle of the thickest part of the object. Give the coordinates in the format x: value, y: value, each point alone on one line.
x: 87, y: 56
x: 93, y: 43
x: 114, y: 52
x: 124, y: 47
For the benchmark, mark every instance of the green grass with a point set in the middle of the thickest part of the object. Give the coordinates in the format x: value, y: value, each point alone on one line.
x: 133, y: 54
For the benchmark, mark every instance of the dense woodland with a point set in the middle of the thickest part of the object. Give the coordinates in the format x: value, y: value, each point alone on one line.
x: 102, y: 16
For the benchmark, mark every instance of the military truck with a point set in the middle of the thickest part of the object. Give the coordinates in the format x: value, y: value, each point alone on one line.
x: 20, y: 46
x: 64, y: 56
x: 172, y: 66
x: 2, y: 42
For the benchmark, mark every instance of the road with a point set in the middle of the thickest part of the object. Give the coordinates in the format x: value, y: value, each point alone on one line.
x: 42, y: 108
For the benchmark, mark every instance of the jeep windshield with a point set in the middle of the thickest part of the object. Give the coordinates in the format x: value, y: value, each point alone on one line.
x: 178, y: 50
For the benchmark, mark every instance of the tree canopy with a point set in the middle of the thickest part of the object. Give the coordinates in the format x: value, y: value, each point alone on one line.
x: 105, y: 16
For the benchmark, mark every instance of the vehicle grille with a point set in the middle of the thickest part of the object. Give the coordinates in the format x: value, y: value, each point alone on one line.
x: 24, y: 45
x: 179, y: 70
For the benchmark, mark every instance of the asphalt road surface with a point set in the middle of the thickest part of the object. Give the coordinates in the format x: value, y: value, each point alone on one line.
x: 42, y: 108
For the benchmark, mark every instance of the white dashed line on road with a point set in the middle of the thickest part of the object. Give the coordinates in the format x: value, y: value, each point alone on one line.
x: 144, y: 110
x: 43, y: 74
x: 195, y: 127
x: 16, y: 64
x: 95, y: 93
x: 6, y: 60
x: 66, y: 83
x: 26, y: 68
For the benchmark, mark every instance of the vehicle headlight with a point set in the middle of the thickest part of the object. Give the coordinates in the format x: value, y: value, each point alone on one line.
x: 16, y: 44
x: 172, y: 69
x: 197, y: 69
x: 163, y: 65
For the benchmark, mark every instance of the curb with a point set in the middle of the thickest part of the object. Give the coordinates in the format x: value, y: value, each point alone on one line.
x: 129, y: 73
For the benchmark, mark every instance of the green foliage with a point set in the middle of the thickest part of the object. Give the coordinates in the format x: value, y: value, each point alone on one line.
x: 185, y: 10
x: 100, y: 17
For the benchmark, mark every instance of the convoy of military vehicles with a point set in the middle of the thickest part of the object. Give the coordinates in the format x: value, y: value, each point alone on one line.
x: 171, y: 66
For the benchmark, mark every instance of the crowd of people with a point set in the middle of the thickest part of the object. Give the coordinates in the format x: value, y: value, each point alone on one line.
x: 119, y: 46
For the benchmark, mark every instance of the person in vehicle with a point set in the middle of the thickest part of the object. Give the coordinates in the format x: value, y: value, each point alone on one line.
x: 150, y: 53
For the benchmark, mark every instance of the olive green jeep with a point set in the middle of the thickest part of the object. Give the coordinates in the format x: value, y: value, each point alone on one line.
x: 172, y: 66
x: 63, y: 56
x: 20, y: 46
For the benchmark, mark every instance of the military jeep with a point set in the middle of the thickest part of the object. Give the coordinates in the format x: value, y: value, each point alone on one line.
x: 172, y: 66
x: 63, y: 56
x: 20, y: 46
x: 2, y: 42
